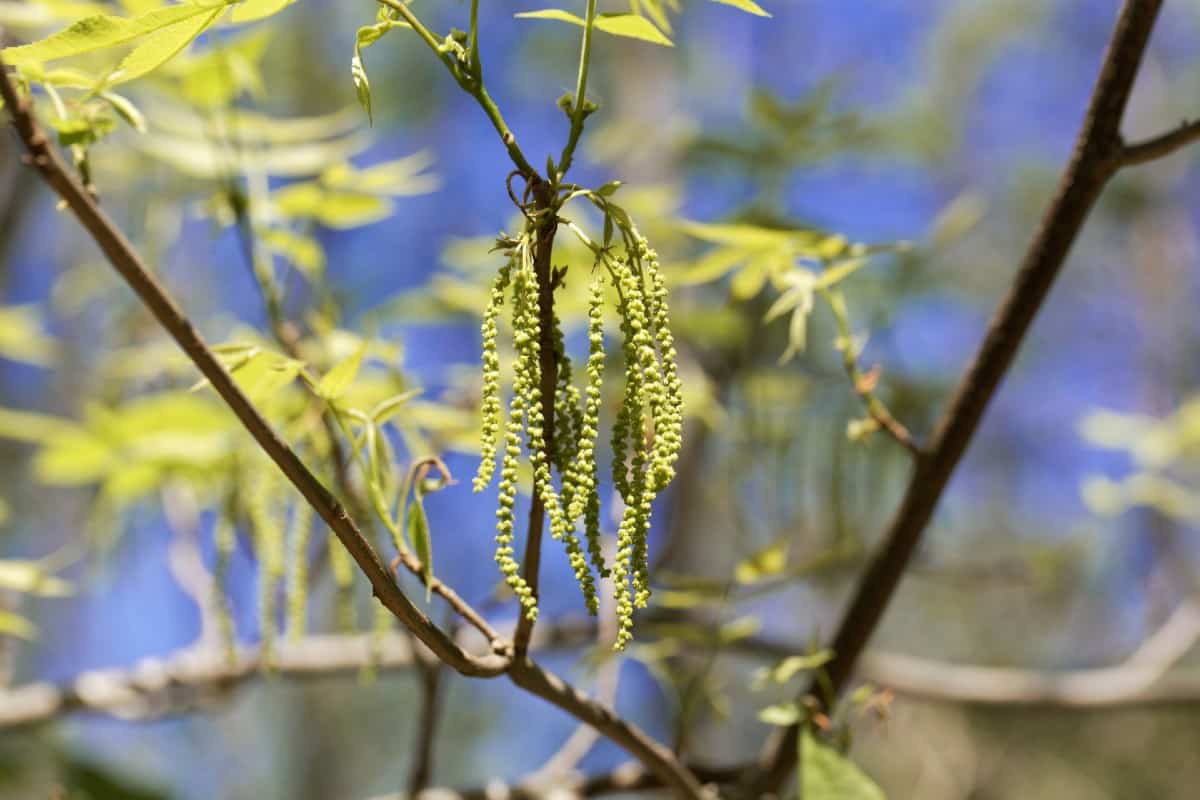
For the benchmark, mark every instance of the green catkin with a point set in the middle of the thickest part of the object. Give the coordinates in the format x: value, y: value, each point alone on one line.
x: 491, y: 404
x: 586, y: 499
x: 627, y: 437
x: 505, y: 522
x: 646, y: 435
x: 225, y: 542
x: 297, y: 576
x: 268, y: 530
x: 343, y: 579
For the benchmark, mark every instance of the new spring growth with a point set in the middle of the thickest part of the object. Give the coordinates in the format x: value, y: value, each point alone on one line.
x: 646, y: 435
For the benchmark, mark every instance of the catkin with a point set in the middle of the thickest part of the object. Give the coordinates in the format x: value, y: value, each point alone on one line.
x: 646, y: 435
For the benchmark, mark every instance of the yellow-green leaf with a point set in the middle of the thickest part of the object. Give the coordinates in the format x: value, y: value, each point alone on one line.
x: 632, y: 26
x: 253, y: 10
x: 766, y: 563
x: 749, y: 6
x: 826, y: 774
x: 102, y: 31
x: 335, y: 382
x: 29, y: 577
x: 161, y: 46
x: 15, y: 625
x: 417, y: 526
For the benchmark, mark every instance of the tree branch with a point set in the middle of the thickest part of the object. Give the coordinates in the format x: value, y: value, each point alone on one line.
x: 124, y: 259
x: 1159, y: 146
x: 1092, y: 163
x: 548, y: 358
x: 524, y: 673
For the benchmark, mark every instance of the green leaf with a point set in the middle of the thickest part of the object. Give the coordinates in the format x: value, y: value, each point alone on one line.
x: 29, y: 577
x: 791, y: 666
x: 632, y: 26
x: 391, y: 406
x: 825, y: 774
x: 28, y: 426
x: 254, y: 10
x: 783, y: 715
x: 417, y: 526
x: 335, y: 382
x: 302, y: 252
x: 749, y: 6
x: 15, y: 625
x: 161, y: 46
x: 362, y: 86
x: 102, y: 31
x: 766, y: 563
x: 128, y: 111
x: 21, y: 336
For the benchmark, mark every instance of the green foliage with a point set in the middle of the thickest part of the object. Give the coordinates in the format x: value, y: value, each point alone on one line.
x: 1164, y: 455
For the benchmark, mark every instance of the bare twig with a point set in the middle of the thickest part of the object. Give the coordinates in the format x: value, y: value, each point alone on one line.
x: 1158, y: 146
x: 1093, y: 162
x: 192, y: 678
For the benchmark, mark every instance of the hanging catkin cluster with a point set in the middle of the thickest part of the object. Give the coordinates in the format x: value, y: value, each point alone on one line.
x: 566, y: 479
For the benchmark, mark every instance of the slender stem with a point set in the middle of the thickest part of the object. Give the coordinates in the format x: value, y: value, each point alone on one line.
x: 1159, y: 146
x: 863, y: 383
x: 469, y: 83
x: 543, y: 268
x: 476, y: 62
x: 579, y: 114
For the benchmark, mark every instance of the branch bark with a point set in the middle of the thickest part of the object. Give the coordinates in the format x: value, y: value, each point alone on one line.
x: 1095, y: 159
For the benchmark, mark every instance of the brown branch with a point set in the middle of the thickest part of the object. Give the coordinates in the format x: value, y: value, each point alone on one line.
x: 1093, y: 162
x: 124, y: 259
x: 658, y: 760
x: 1158, y: 146
x: 189, y: 679
x: 547, y: 226
x: 426, y: 734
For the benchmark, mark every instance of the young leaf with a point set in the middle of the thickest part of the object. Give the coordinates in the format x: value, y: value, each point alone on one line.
x: 338, y: 380
x: 417, y: 526
x: 783, y: 715
x: 825, y: 774
x: 765, y: 563
x: 633, y: 26
x: 749, y: 6
x: 254, y: 10
x: 102, y: 31
x: 162, y: 45
x: 15, y: 625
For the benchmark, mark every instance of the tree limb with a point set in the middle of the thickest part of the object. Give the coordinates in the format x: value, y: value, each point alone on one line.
x: 1093, y: 162
x: 1159, y: 146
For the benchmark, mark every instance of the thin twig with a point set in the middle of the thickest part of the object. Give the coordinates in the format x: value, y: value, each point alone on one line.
x: 1159, y: 146
x: 1092, y: 164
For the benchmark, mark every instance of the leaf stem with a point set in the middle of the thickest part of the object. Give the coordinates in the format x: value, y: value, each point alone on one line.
x: 579, y: 114
x: 470, y: 82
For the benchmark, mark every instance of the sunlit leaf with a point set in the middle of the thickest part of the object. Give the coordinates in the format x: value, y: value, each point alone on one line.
x: 825, y: 774
x: 633, y: 26
x: 335, y: 382
x: 748, y: 6
x: 103, y: 31
x: 765, y: 563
